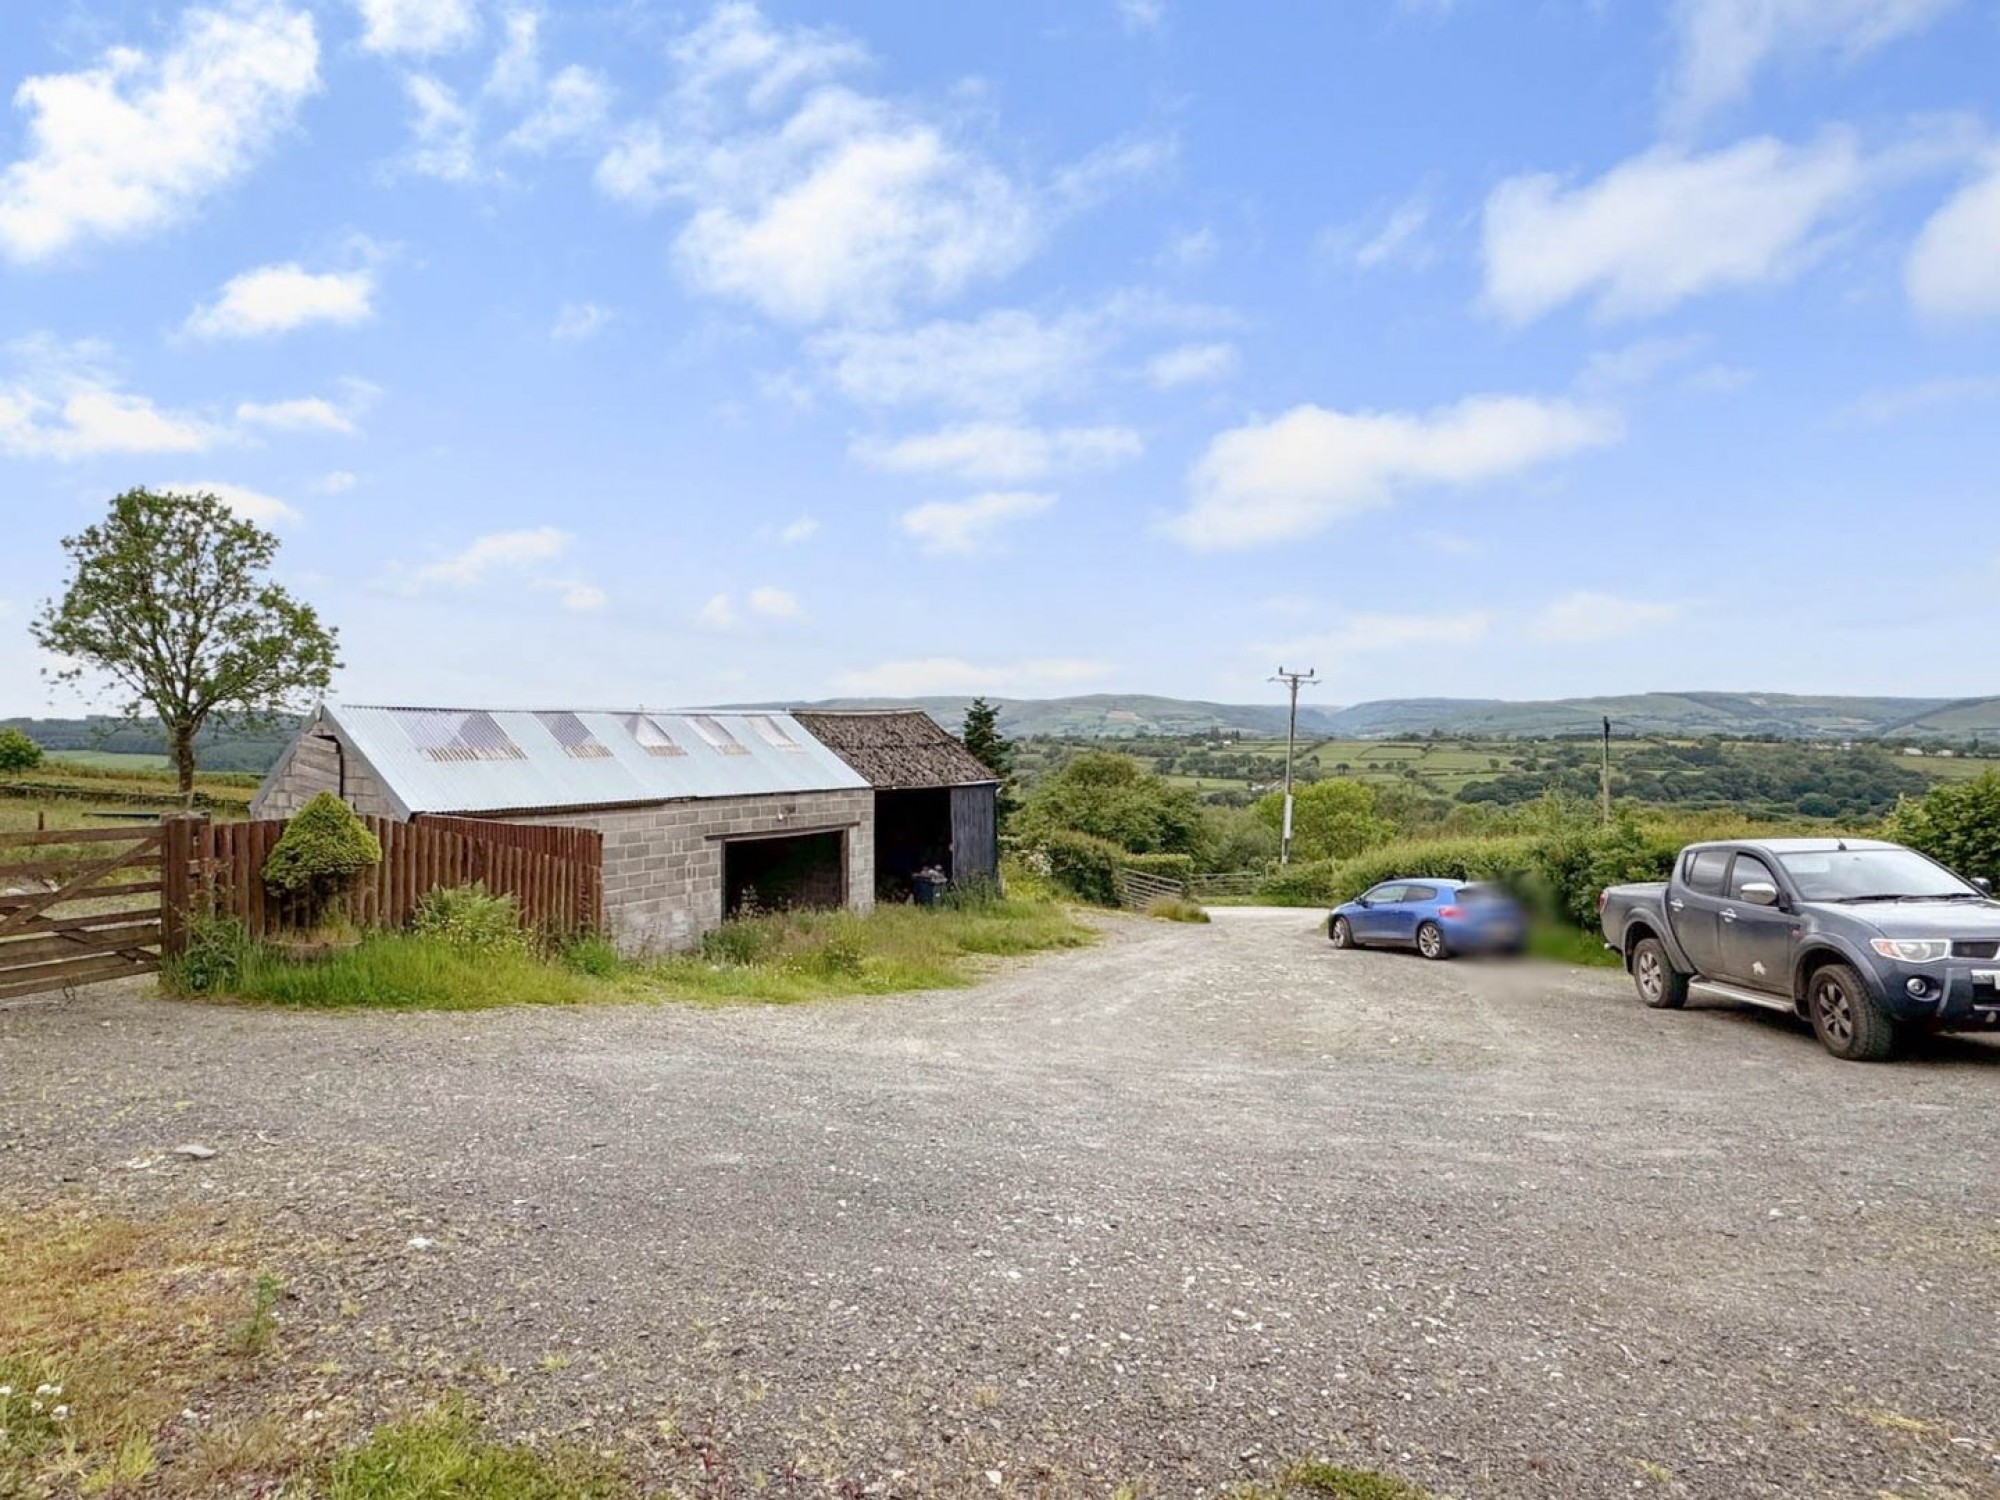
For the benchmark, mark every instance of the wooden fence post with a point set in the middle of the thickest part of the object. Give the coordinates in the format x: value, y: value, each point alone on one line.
x: 177, y: 854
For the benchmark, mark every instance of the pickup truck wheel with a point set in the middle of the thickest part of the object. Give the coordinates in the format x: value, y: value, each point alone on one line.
x: 1660, y: 985
x: 1430, y: 941
x: 1341, y: 933
x: 1845, y: 1016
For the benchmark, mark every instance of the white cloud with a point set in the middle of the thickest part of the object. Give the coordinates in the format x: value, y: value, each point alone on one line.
x: 496, y: 552
x: 251, y: 505
x: 338, y: 482
x: 1141, y: 15
x: 576, y: 595
x: 1303, y: 471
x: 573, y: 109
x: 444, y: 135
x: 280, y: 298
x: 64, y: 405
x: 1138, y: 157
x: 963, y: 526
x: 577, y: 321
x: 1880, y: 408
x: 137, y: 142
x: 984, y: 451
x: 1373, y: 634
x: 847, y: 205
x: 1189, y: 250
x: 1724, y: 43
x: 774, y: 603
x: 417, y: 26
x: 1192, y: 364
x: 1664, y: 226
x: 718, y: 614
x: 804, y: 529
x: 306, y: 414
x: 1394, y: 237
x: 1954, y: 267
x: 1000, y: 362
x: 1585, y: 617
x: 934, y: 675
x: 1637, y: 364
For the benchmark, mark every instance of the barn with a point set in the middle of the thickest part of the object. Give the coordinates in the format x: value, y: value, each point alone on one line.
x: 936, y: 804
x: 704, y: 814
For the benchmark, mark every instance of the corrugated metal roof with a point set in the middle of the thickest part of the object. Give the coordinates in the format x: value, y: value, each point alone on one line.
x: 461, y: 760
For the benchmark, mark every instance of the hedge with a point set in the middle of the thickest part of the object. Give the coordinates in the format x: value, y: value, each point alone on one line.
x: 1084, y: 866
x: 1558, y: 874
x: 1167, y: 866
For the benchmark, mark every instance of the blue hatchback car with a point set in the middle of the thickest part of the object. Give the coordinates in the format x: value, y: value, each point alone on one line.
x: 1436, y: 917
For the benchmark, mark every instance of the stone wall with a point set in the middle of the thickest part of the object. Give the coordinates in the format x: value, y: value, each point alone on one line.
x: 663, y: 863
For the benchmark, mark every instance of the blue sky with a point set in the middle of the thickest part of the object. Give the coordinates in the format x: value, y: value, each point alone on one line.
x: 631, y: 352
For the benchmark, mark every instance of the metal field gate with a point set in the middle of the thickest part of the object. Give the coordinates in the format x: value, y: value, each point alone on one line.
x: 78, y: 906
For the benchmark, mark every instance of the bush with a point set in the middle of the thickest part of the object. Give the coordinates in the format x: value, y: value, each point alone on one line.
x: 18, y: 752
x: 742, y: 941
x: 593, y: 956
x: 1082, y: 865
x: 321, y: 851
x: 1956, y: 824
x: 470, y: 918
x: 1115, y: 798
x: 213, y: 960
x: 1333, y: 819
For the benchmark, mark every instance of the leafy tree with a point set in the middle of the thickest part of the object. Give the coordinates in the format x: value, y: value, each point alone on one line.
x: 18, y: 752
x: 1955, y: 823
x: 992, y: 750
x: 170, y: 598
x: 1330, y: 819
x: 1115, y: 798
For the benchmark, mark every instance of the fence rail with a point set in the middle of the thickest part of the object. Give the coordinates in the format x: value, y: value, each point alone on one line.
x: 1138, y: 889
x: 71, y: 912
x: 555, y: 875
x: 1226, y: 884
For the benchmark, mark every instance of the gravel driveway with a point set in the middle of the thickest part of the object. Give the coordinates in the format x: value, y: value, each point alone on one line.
x: 1169, y: 1211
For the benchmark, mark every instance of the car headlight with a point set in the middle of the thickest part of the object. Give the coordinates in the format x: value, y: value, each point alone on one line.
x: 1912, y: 950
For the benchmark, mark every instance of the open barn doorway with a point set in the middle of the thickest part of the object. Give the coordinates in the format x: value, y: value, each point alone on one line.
x: 785, y: 873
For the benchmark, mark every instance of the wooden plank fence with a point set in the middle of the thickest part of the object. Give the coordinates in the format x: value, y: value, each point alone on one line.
x: 555, y: 875
x: 82, y: 905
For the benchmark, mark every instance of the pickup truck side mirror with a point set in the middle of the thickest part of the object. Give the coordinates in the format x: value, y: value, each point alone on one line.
x: 1983, y: 884
x: 1760, y: 893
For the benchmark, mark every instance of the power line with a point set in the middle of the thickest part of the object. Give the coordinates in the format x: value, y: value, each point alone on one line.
x: 1294, y: 681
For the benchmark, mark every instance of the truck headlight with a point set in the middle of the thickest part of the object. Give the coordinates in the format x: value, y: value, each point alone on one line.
x: 1913, y: 950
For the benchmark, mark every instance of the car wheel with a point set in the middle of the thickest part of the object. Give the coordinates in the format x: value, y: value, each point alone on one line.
x: 1341, y: 933
x: 1660, y: 985
x: 1430, y: 941
x: 1845, y: 1017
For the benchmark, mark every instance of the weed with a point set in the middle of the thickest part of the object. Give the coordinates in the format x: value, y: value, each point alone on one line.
x: 446, y: 1456
x: 253, y: 1335
x: 1176, y: 909
x: 1335, y: 1481
x: 212, y: 961
x: 471, y: 918
x: 593, y: 956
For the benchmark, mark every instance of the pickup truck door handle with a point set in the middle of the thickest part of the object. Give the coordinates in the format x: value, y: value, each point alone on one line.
x: 1729, y: 914
x: 1678, y: 904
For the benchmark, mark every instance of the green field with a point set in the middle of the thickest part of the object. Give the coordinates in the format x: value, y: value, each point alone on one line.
x: 110, y: 760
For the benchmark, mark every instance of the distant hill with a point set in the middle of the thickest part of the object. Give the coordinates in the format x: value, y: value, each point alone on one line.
x: 1777, y: 715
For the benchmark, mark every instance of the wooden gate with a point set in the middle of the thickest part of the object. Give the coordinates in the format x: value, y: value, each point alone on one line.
x: 79, y: 906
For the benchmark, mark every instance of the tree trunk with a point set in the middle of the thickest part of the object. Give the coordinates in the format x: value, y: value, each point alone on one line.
x: 181, y: 744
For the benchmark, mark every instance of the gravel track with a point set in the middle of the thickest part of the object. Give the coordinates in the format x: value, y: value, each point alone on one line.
x: 1171, y: 1210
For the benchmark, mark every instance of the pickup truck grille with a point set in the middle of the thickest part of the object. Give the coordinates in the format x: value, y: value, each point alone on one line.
x: 1984, y: 948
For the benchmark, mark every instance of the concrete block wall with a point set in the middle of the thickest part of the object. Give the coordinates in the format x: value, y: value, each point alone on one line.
x: 663, y: 863
x: 312, y: 765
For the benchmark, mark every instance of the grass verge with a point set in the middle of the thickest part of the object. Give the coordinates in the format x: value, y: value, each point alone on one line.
x: 447, y: 1456
x: 1560, y: 943
x: 892, y: 950
x: 1174, y: 909
x: 780, y: 959
x: 1315, y: 1479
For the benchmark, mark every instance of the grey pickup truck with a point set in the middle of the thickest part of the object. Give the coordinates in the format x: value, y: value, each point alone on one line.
x: 1868, y: 941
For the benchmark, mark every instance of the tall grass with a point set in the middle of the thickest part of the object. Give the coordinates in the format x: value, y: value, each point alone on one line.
x: 398, y: 971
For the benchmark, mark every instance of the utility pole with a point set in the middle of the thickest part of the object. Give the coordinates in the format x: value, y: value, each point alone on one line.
x: 1604, y: 776
x: 1294, y: 681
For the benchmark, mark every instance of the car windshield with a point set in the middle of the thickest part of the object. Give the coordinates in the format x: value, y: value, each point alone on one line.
x: 1871, y: 875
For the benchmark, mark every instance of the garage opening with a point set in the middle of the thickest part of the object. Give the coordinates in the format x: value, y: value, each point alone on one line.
x: 806, y: 870
x: 912, y: 833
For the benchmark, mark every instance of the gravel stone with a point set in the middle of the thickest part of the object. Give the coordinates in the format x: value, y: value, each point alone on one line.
x: 1174, y: 1210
